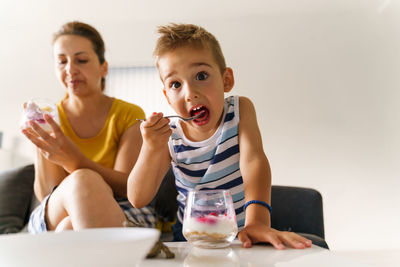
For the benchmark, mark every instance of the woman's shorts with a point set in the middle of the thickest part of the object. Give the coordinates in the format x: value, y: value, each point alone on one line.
x: 144, y: 216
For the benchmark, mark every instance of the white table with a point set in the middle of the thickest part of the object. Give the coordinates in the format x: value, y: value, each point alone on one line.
x: 120, y: 247
x: 260, y: 255
x: 376, y: 257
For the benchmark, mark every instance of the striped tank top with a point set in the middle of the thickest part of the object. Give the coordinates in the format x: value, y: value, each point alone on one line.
x: 209, y: 164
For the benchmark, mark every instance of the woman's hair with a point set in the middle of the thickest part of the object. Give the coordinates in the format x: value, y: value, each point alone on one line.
x: 179, y: 35
x: 88, y: 32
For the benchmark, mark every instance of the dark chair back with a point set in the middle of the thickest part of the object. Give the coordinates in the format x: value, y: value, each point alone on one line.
x: 297, y: 209
x: 16, y: 194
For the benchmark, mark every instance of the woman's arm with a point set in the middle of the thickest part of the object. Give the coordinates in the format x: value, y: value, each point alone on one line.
x: 59, y: 150
x: 47, y: 176
x: 127, y: 154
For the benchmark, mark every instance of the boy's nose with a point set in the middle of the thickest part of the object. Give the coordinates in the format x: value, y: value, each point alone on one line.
x: 190, y: 93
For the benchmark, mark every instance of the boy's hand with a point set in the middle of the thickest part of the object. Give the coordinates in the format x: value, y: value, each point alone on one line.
x: 155, y: 130
x: 260, y: 233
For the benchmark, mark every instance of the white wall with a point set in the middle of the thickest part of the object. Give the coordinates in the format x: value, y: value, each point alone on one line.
x: 322, y: 74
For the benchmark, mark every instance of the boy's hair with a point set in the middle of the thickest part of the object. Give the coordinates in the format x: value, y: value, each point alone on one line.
x: 179, y: 35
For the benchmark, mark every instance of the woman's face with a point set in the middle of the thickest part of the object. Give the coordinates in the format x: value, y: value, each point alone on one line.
x: 77, y: 65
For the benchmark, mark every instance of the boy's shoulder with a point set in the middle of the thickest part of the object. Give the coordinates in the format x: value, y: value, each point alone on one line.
x: 243, y: 100
x: 244, y: 103
x: 247, y: 110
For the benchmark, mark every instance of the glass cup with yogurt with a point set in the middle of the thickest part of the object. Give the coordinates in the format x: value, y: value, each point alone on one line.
x: 209, y: 219
x: 34, y: 111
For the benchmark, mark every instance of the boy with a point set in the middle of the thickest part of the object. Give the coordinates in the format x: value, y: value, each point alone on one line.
x: 221, y: 148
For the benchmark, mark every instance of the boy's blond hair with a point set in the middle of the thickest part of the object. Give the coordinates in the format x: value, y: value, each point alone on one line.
x: 179, y: 35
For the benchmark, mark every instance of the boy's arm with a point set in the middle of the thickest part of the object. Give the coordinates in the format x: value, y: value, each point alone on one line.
x: 256, y: 175
x: 254, y: 164
x: 153, y: 161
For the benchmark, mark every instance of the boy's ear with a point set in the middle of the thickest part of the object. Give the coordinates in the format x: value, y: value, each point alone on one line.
x: 166, y: 96
x: 229, y: 81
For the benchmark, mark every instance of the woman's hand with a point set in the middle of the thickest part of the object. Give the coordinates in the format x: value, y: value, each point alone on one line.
x: 260, y: 233
x: 55, y: 146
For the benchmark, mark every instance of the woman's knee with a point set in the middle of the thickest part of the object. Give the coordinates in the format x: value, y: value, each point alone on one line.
x: 64, y: 224
x: 86, y: 181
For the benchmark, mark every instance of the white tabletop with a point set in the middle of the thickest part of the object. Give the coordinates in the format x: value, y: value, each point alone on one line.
x: 260, y: 255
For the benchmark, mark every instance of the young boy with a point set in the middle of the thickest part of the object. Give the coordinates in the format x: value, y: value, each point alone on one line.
x: 220, y: 149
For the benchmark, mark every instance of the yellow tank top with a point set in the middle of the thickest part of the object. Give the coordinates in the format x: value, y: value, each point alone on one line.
x: 103, y: 147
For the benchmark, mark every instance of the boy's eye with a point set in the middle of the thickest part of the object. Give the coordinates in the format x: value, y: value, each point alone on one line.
x: 82, y: 61
x: 201, y: 76
x: 175, y: 85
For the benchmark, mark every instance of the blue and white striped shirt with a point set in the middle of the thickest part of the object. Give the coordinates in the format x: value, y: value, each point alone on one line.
x: 209, y: 164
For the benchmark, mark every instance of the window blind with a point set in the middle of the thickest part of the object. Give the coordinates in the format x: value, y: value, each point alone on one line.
x: 140, y: 85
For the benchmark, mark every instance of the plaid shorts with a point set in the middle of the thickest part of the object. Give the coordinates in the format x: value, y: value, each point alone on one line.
x: 145, y: 216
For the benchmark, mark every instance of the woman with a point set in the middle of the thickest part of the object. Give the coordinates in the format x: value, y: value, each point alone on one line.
x: 82, y: 167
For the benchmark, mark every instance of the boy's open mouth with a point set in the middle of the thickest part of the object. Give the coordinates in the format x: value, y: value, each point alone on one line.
x: 203, y: 113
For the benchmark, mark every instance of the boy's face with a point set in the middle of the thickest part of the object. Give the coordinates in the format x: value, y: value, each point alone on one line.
x: 193, y: 84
